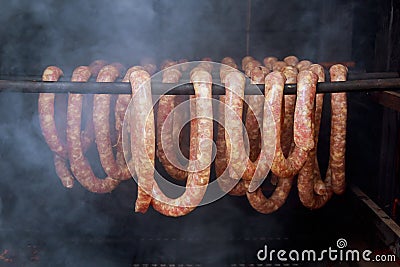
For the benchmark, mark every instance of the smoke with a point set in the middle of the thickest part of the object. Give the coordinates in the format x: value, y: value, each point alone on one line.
x: 78, y: 228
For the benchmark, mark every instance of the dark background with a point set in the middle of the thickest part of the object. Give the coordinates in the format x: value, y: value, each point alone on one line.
x: 69, y: 33
x: 74, y: 227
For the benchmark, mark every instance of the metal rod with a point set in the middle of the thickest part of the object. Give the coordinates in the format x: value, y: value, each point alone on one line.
x: 186, y: 89
x: 351, y: 76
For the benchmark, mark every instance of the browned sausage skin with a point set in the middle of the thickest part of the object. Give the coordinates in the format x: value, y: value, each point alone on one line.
x: 225, y: 182
x: 200, y: 152
x: 269, y: 62
x: 279, y: 65
x: 101, y: 114
x: 309, y: 179
x: 291, y: 60
x: 46, y: 114
x: 49, y: 129
x: 79, y: 164
x: 303, y: 65
x: 165, y: 128
x: 284, y: 168
x: 338, y: 137
x: 287, y: 116
x: 142, y: 136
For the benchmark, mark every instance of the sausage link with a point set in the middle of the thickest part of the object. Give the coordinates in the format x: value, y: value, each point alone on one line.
x: 121, y: 106
x: 288, y: 116
x: 320, y: 187
x: 290, y: 100
x: 200, y: 152
x: 303, y: 137
x: 225, y: 182
x: 142, y: 136
x: 80, y: 166
x: 309, y: 179
x: 245, y: 60
x: 283, y: 168
x: 313, y: 191
x: 179, y: 132
x: 87, y: 135
x: 269, y: 62
x: 338, y: 137
x: 239, y: 162
x: 291, y: 60
x: 266, y: 205
x: 49, y: 129
x: 46, y: 114
x: 254, y: 113
x: 303, y: 65
x: 96, y: 66
x: 279, y: 65
x: 101, y: 113
x: 165, y: 130
x: 62, y: 171
x: 250, y: 65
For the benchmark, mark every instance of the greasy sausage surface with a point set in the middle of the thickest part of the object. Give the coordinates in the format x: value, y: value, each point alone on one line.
x: 79, y: 164
x: 200, y: 152
x: 142, y: 136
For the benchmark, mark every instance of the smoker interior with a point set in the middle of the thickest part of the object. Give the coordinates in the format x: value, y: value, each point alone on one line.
x: 44, y: 224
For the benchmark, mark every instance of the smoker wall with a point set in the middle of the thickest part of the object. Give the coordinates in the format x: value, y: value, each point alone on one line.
x: 69, y: 33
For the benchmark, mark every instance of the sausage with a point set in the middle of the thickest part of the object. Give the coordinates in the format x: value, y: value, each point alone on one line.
x: 268, y: 205
x: 225, y: 69
x: 290, y: 100
x: 279, y: 65
x: 338, y: 125
x: 269, y: 62
x: 274, y: 94
x: 303, y: 65
x: 245, y: 60
x: 96, y: 66
x: 165, y: 149
x: 303, y: 137
x: 120, y: 110
x: 183, y: 67
x: 232, y: 186
x: 309, y: 178
x: 80, y: 166
x: 240, y: 164
x: 288, y: 116
x: 200, y: 152
x: 234, y: 95
x: 142, y: 136
x: 253, y: 121
x: 227, y: 60
x: 291, y: 60
x: 320, y: 187
x: 179, y: 132
x: 49, y: 129
x: 254, y: 113
x: 250, y: 66
x: 167, y: 63
x: 87, y: 135
x: 101, y: 114
x: 46, y: 114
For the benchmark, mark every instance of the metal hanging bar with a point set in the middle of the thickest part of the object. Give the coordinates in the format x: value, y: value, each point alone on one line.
x: 186, y: 89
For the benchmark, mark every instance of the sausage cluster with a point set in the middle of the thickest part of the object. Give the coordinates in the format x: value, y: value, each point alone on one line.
x: 271, y: 136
